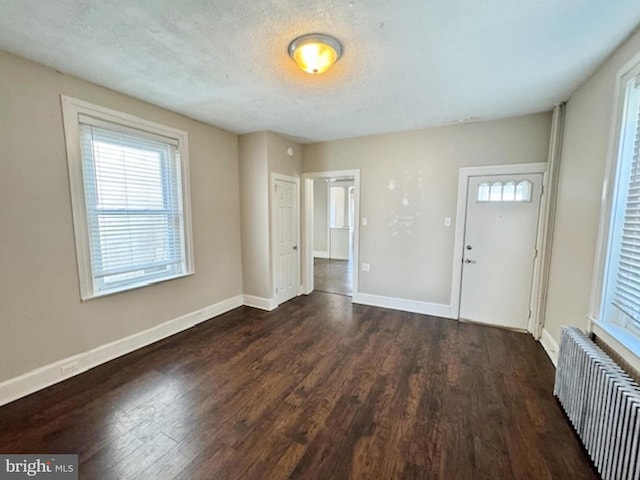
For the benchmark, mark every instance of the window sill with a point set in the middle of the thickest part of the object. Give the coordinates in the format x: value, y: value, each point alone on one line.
x: 620, y: 340
x: 135, y: 286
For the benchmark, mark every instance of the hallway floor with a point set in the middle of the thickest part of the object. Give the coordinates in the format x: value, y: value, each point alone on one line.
x: 333, y: 276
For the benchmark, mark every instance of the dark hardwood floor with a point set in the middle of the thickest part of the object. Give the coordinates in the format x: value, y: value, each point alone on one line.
x: 332, y: 276
x: 317, y: 389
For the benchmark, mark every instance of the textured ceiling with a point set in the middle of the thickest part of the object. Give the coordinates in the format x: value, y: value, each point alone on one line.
x: 406, y: 64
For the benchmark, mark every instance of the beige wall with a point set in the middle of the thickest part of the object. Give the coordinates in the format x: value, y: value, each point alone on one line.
x: 589, y: 118
x: 279, y: 160
x: 41, y: 316
x: 42, y: 319
x: 260, y: 155
x: 252, y: 155
x: 408, y: 247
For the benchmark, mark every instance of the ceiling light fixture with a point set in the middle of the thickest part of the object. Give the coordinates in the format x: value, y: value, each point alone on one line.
x: 315, y: 53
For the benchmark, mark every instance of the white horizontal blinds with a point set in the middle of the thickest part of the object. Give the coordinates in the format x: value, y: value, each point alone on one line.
x: 627, y: 293
x: 134, y: 205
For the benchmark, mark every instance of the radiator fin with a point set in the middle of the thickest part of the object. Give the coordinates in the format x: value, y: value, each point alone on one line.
x: 602, y: 403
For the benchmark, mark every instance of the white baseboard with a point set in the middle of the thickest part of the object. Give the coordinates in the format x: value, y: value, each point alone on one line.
x: 302, y: 291
x: 550, y: 346
x: 261, y: 303
x: 320, y: 254
x: 413, y: 306
x: 48, y: 375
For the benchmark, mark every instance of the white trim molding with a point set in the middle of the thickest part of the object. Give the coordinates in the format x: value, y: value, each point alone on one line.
x: 550, y: 346
x: 548, y: 215
x: 404, y: 305
x: 623, y: 342
x: 320, y: 254
x: 53, y: 373
x: 308, y: 253
x: 260, y: 303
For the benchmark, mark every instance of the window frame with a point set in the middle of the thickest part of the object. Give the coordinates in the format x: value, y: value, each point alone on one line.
x: 72, y: 110
x: 622, y: 340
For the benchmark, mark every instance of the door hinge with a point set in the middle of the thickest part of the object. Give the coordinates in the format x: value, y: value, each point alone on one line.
x: 535, y: 254
x: 529, y: 314
x: 542, y: 190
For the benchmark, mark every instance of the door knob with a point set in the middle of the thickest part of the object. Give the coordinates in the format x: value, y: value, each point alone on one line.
x: 295, y: 247
x: 468, y: 260
x: 468, y: 247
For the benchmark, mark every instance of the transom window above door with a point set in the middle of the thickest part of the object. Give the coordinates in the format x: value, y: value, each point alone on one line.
x: 509, y: 191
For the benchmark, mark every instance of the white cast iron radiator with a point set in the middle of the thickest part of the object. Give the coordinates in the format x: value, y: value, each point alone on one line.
x: 603, y: 404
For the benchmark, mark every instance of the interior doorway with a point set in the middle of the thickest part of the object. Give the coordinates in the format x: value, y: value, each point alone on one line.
x: 331, y: 232
x: 333, y: 217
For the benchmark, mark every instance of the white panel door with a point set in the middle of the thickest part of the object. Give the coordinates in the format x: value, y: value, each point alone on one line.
x: 500, y: 249
x: 286, y: 238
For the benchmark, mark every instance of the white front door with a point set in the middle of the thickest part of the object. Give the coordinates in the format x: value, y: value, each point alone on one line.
x: 286, y: 239
x: 500, y: 249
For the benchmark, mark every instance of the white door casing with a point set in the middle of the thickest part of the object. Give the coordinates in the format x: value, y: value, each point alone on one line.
x: 308, y: 178
x: 286, y: 253
x: 500, y: 239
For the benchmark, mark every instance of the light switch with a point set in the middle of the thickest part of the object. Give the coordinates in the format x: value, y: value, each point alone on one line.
x: 364, y: 221
x: 365, y: 267
x: 447, y: 222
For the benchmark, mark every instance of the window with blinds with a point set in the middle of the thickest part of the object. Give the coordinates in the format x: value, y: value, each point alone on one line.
x: 624, y: 258
x: 129, y: 179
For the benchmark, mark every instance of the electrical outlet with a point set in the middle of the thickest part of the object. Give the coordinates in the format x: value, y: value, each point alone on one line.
x: 365, y: 267
x: 69, y: 369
